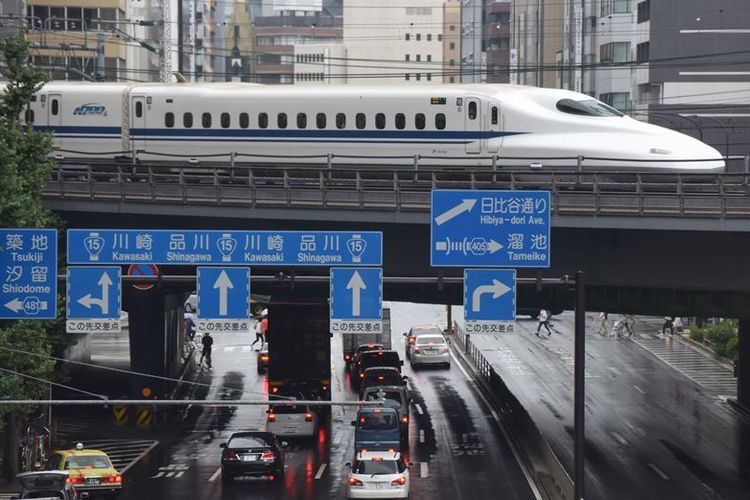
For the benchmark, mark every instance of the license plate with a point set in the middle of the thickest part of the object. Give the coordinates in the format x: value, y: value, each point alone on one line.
x: 378, y: 486
x: 93, y: 481
x: 249, y: 458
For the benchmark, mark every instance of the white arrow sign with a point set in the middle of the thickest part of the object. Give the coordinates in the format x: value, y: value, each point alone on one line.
x: 464, y: 206
x: 223, y: 283
x: 14, y: 305
x: 356, y: 285
x: 497, y: 289
x: 87, y: 300
x: 493, y: 246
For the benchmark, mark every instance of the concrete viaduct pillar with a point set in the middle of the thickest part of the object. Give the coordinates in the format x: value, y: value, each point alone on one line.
x: 743, y: 355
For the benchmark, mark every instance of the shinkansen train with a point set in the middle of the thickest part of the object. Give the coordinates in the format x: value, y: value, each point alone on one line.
x: 448, y: 125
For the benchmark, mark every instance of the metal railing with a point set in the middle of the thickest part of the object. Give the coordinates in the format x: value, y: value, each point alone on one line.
x: 398, y: 189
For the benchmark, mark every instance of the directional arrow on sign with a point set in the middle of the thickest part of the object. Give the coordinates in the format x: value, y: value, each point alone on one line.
x: 87, y: 300
x: 497, y: 289
x: 14, y: 305
x: 356, y: 285
x: 493, y: 246
x: 223, y: 283
x: 464, y: 206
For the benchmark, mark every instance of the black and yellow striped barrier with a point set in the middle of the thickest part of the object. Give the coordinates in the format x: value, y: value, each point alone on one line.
x: 120, y: 413
x: 144, y: 417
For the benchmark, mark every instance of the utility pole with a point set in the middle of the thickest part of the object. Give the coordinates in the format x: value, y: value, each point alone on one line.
x: 165, y: 63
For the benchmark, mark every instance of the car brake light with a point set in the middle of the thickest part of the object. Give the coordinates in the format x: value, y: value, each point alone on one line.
x: 405, y: 419
x: 74, y: 480
x: 267, y: 455
x: 274, y: 390
x: 361, y: 375
x: 271, y: 417
x: 380, y: 377
x: 230, y: 455
x: 264, y: 357
x: 347, y: 357
x: 113, y: 479
x: 325, y: 388
x: 353, y: 481
x: 308, y: 417
x: 399, y: 482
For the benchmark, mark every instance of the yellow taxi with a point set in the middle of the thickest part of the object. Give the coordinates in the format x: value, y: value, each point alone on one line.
x: 88, y: 470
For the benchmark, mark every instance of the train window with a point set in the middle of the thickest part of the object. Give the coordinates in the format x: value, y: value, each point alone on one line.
x: 281, y: 120
x: 244, y: 120
x: 225, y: 120
x: 301, y: 120
x: 320, y: 120
x: 187, y: 120
x: 400, y: 121
x: 138, y: 109
x: 29, y: 117
x: 380, y: 121
x: 263, y: 120
x: 169, y: 119
x: 360, y: 120
x: 419, y: 121
x: 340, y: 120
x: 440, y: 121
x: 206, y: 119
x: 472, y: 110
x: 55, y: 106
x: 494, y: 115
x: 590, y: 107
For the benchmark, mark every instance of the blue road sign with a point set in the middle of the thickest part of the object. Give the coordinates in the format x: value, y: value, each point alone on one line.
x: 222, y: 248
x: 94, y: 299
x: 223, y: 293
x: 489, y: 295
x: 490, y: 228
x: 356, y: 299
x: 28, y: 273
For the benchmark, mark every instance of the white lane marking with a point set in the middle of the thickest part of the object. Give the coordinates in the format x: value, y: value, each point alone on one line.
x: 321, y: 469
x: 247, y: 348
x: 421, y: 435
x: 619, y: 438
x: 229, y: 348
x: 638, y: 389
x: 658, y: 471
x: 215, y: 475
x: 160, y: 474
x: 526, y: 473
x: 423, y: 470
x: 143, y: 454
x: 179, y: 474
x: 419, y: 408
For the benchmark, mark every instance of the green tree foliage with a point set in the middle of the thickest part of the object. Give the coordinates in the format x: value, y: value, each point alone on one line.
x: 722, y: 337
x: 23, y: 169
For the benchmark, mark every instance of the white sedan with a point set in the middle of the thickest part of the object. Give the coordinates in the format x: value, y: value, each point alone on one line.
x: 291, y: 420
x: 430, y: 350
x: 378, y: 474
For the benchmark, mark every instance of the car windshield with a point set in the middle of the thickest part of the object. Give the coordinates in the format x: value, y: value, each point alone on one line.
x: 430, y: 340
x: 383, y: 358
x: 589, y: 107
x: 426, y: 331
x: 378, y: 467
x: 378, y: 421
x: 248, y: 442
x: 390, y: 395
x: 284, y: 409
x: 87, y: 462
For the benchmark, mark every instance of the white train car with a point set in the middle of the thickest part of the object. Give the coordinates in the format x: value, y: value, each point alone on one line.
x: 456, y: 125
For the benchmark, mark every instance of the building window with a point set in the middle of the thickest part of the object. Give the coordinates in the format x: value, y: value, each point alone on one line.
x: 419, y: 36
x: 419, y: 57
x: 642, y: 50
x: 419, y: 76
x: 187, y: 120
x: 263, y: 120
x: 169, y: 119
x: 452, y: 62
x: 429, y: 57
x: 206, y: 120
x: 419, y: 121
x: 408, y: 37
x: 440, y: 37
x: 281, y: 120
x: 400, y: 121
x: 452, y: 79
x: 407, y: 57
x: 644, y: 11
x: 407, y: 76
x: 360, y: 121
x: 429, y: 77
x: 380, y: 121
x: 225, y: 120
x: 452, y: 45
x: 615, y: 7
x: 340, y: 120
x: 452, y: 27
x: 440, y: 121
x: 429, y: 37
x: 301, y: 120
x: 244, y: 120
x: 320, y: 120
x: 614, y: 52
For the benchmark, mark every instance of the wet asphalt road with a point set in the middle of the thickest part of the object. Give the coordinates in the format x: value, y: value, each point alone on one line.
x: 457, y: 451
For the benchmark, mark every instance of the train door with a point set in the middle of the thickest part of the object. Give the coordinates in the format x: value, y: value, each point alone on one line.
x: 473, y: 125
x: 494, y: 139
x: 54, y: 117
x: 138, y: 122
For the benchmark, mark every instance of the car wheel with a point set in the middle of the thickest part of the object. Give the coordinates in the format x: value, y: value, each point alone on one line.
x: 447, y: 366
x: 226, y: 478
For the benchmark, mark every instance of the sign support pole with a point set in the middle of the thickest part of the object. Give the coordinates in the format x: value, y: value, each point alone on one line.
x: 579, y: 395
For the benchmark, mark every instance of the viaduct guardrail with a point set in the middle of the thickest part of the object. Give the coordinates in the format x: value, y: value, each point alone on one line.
x: 397, y: 189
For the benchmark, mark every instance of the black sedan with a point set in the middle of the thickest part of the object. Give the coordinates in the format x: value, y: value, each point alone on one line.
x: 258, y: 454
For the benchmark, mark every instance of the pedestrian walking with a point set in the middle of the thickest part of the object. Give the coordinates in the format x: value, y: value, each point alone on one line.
x: 260, y: 329
x: 208, y: 343
x: 628, y: 321
x: 601, y: 323
x: 543, y: 322
x: 668, y: 323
